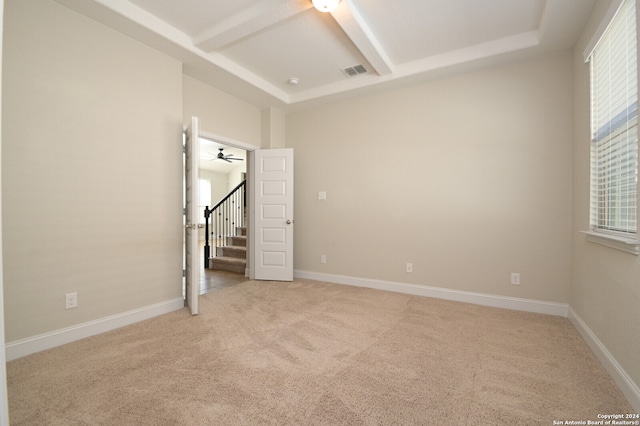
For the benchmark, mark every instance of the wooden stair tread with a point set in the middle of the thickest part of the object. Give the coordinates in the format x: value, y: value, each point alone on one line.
x: 226, y: 263
x: 228, y: 259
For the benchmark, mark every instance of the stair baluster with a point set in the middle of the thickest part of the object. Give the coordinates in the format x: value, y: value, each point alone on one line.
x: 226, y: 216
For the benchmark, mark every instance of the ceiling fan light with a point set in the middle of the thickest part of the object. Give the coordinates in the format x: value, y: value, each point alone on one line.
x: 325, y: 5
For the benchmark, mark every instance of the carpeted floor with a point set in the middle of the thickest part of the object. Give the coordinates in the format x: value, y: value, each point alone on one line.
x: 310, y: 353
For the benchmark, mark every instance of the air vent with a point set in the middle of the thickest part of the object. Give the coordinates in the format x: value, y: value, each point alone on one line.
x: 355, y: 71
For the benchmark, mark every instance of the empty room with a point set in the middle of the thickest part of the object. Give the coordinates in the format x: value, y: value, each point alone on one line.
x: 440, y: 201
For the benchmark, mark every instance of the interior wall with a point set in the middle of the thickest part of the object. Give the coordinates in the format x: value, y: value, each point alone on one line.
x: 468, y: 178
x: 273, y: 128
x: 605, y: 284
x: 219, y: 184
x: 236, y: 175
x: 220, y: 113
x: 91, y: 170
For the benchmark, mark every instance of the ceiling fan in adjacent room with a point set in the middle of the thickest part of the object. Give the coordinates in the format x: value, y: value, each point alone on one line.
x: 227, y: 158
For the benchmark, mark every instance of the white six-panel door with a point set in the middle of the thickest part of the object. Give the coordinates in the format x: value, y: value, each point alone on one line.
x: 273, y: 221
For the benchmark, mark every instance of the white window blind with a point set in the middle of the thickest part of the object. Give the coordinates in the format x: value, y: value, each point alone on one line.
x: 614, y: 124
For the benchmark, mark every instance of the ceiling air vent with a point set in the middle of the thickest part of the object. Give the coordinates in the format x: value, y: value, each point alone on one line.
x: 354, y: 71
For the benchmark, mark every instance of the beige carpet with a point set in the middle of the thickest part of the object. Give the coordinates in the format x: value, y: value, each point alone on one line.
x: 310, y: 353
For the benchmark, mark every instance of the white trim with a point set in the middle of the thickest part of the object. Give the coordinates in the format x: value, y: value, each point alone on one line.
x: 496, y: 301
x: 227, y: 141
x: 626, y: 384
x: 602, y: 28
x: 628, y: 245
x: 30, y: 345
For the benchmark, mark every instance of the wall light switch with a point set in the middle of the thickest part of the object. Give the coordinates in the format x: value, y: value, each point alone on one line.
x: 322, y: 195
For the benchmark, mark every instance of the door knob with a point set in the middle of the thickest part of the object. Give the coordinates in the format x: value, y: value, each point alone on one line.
x: 288, y: 221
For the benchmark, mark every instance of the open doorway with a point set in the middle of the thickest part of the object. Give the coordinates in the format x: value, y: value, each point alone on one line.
x: 268, y: 215
x: 222, y: 230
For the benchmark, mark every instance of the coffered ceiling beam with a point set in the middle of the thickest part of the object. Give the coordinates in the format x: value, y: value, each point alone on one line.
x: 260, y: 16
x: 352, y: 23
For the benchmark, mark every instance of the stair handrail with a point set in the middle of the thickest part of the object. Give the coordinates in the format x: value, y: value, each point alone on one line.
x: 222, y: 225
x: 226, y: 197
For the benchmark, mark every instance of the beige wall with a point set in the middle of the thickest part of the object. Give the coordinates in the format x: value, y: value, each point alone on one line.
x: 273, y: 128
x: 605, y: 285
x: 220, y: 113
x: 219, y: 184
x: 467, y: 177
x: 91, y: 170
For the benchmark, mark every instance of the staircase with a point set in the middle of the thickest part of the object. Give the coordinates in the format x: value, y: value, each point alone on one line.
x: 232, y: 256
x: 228, y: 232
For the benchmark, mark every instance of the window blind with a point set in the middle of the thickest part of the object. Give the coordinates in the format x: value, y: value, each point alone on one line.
x: 614, y: 123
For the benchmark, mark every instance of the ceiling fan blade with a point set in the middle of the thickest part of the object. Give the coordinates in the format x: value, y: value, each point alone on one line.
x: 226, y: 157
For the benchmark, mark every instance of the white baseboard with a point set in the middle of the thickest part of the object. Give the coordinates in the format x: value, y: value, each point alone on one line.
x: 514, y: 303
x: 626, y: 384
x: 30, y: 345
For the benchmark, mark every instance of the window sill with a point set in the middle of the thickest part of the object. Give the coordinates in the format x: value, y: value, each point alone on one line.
x: 628, y: 245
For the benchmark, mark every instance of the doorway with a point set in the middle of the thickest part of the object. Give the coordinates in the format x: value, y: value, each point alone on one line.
x: 223, y: 237
x: 269, y: 205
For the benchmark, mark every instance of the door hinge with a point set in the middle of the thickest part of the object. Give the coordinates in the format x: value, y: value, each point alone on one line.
x: 184, y: 149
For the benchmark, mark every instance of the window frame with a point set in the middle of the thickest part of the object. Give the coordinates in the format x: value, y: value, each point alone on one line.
x: 626, y: 238
x: 204, y: 196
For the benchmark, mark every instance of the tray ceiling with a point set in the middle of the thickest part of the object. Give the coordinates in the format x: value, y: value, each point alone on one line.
x: 252, y: 49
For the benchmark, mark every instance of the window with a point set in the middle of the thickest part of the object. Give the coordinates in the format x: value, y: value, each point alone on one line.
x: 204, y: 193
x: 614, y: 126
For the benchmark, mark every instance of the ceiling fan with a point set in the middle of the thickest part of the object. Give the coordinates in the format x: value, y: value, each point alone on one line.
x: 224, y: 157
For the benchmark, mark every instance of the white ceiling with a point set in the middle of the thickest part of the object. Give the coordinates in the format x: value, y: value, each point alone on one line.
x: 209, y: 161
x: 251, y: 48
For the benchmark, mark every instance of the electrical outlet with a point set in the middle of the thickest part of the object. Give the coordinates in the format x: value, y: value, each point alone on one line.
x: 515, y: 278
x: 322, y: 195
x: 409, y: 267
x: 323, y: 258
x: 71, y: 300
